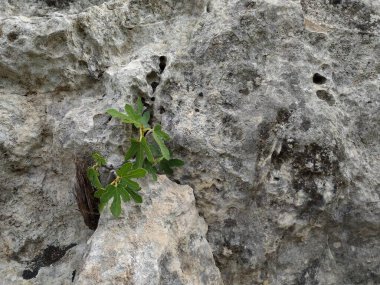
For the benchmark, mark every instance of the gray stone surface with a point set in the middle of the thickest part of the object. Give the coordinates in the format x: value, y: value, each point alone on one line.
x: 160, y: 242
x: 284, y: 163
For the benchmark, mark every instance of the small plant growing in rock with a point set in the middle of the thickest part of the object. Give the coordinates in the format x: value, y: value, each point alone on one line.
x: 147, y: 153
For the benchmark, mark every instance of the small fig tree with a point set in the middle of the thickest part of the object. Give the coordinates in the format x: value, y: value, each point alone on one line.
x: 147, y: 153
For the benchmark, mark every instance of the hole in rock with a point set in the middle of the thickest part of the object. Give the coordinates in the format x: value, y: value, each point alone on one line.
x: 29, y: 274
x: 152, y: 76
x: 153, y: 80
x: 200, y: 94
x: 162, y: 64
x: 58, y: 3
x: 73, y: 276
x: 244, y: 91
x: 208, y: 7
x: 319, y: 79
x: 161, y: 110
x: 283, y: 115
x: 146, y: 104
x: 153, y: 99
x: 335, y: 2
x: 196, y: 110
x: 83, y: 64
x: 326, y: 96
x: 250, y: 4
x: 154, y: 86
x: 12, y: 36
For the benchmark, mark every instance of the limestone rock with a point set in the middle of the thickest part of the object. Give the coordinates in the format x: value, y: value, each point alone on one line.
x: 274, y: 106
x: 162, y: 241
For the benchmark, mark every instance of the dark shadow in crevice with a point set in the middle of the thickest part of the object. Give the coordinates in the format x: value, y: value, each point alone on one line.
x: 57, y: 3
x: 319, y: 79
x: 153, y: 80
x: 208, y: 7
x: 162, y: 65
x: 84, y: 195
x: 50, y: 255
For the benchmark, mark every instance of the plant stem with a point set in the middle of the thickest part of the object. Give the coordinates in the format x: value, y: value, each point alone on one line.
x: 141, y: 133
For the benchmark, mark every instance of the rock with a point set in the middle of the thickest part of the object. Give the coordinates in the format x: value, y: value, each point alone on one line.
x: 272, y: 104
x: 162, y: 241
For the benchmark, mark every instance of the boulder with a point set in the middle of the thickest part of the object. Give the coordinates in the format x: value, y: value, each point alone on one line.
x: 161, y: 241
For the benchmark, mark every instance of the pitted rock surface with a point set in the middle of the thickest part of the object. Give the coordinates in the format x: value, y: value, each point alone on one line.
x: 274, y: 106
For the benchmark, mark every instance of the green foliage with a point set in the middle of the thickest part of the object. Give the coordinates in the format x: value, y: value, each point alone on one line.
x: 146, y: 154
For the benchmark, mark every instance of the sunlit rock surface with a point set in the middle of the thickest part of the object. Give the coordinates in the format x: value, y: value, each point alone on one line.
x: 160, y: 242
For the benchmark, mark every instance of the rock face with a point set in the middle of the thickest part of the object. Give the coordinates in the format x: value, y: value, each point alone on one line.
x: 160, y: 242
x: 272, y: 104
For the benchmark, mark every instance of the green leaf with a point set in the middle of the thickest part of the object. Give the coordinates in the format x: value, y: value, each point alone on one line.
x: 92, y: 175
x: 151, y: 169
x: 125, y: 118
x: 161, y: 133
x: 145, y: 119
x: 136, y: 197
x: 132, y: 149
x: 165, y: 167
x: 137, y: 150
x: 147, y: 150
x: 131, y: 184
x: 133, y: 116
x: 175, y: 163
x: 155, y: 149
x: 157, y: 135
x: 99, y: 193
x: 140, y: 106
x: 124, y: 194
x: 108, y: 194
x: 99, y: 159
x: 139, y: 156
x: 101, y: 206
x: 116, y: 205
x: 124, y: 169
x: 136, y: 173
x: 131, y: 112
x: 116, y: 114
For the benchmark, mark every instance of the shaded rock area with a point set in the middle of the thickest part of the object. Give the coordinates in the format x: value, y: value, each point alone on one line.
x: 160, y: 242
x: 49, y: 256
x: 273, y: 105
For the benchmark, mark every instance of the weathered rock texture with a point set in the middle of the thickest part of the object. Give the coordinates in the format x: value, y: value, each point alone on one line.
x: 273, y: 104
x: 160, y: 242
